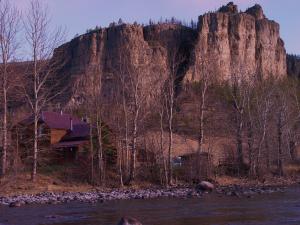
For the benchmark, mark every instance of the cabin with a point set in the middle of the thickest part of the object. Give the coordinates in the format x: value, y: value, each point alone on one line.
x: 60, y: 134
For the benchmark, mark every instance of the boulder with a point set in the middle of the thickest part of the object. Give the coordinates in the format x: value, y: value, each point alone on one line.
x: 16, y: 204
x: 205, y: 186
x: 129, y: 221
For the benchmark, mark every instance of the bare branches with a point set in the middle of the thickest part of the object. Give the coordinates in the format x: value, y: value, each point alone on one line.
x: 9, y: 22
x: 41, y: 87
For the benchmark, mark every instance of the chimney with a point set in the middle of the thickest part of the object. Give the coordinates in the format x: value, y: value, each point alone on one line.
x: 71, y: 124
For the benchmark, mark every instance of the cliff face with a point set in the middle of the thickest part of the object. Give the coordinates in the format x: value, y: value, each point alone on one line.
x: 239, y: 44
x: 118, y: 51
x: 226, y: 43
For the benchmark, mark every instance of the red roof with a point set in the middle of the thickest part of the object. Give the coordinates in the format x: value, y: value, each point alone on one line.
x: 81, y: 130
x: 55, y: 120
x: 76, y: 135
x: 59, y: 120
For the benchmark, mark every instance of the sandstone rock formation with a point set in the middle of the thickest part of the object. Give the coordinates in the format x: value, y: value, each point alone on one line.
x: 239, y: 44
x: 227, y: 43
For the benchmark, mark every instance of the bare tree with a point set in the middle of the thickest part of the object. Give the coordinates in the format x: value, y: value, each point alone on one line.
x: 95, y: 108
x: 161, y: 141
x: 169, y: 94
x: 280, y: 124
x: 237, y: 97
x: 42, y: 87
x: 139, y: 95
x: 201, y: 91
x: 9, y: 28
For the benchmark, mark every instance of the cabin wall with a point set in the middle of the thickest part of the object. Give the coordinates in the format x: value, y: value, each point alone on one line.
x: 56, y: 135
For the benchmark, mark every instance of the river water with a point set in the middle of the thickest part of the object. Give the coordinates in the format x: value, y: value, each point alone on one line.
x: 266, y: 209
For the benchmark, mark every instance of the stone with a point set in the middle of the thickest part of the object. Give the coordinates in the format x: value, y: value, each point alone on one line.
x: 16, y: 204
x: 205, y: 186
x: 129, y: 221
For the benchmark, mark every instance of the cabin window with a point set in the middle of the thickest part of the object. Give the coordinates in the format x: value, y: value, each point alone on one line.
x: 177, y: 161
x: 41, y: 131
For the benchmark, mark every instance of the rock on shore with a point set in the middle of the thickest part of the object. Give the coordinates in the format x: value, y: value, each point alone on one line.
x: 205, y: 186
x: 129, y: 221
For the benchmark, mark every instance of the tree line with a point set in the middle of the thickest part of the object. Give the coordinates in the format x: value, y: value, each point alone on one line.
x: 31, y: 83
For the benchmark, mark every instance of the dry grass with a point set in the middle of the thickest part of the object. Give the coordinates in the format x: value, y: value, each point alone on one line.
x: 267, y: 180
x: 293, y: 169
x: 22, y: 184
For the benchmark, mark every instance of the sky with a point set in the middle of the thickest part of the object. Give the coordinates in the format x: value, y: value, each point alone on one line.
x: 79, y: 15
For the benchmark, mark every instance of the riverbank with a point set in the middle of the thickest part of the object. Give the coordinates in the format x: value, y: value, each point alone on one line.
x: 48, y: 191
x: 127, y: 194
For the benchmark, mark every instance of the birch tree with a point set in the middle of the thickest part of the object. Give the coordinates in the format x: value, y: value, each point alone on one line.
x: 95, y: 108
x: 169, y: 94
x: 43, y: 85
x: 9, y: 28
x: 201, y: 93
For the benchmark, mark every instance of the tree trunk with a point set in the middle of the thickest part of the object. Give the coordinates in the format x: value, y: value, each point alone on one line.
x: 35, y: 146
x: 133, y: 153
x: 92, y: 154
x: 120, y: 164
x: 279, y: 140
x: 4, y: 153
x: 251, y: 150
x: 170, y: 172
x: 260, y: 146
x: 239, y: 142
x: 36, y: 115
x: 127, y: 168
x: 292, y: 146
x: 16, y: 166
x: 201, y: 130
x: 165, y: 170
x: 100, y: 150
x: 268, y: 161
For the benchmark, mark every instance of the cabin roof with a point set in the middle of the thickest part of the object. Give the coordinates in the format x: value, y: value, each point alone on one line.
x: 76, y: 128
x: 81, y: 130
x: 54, y: 120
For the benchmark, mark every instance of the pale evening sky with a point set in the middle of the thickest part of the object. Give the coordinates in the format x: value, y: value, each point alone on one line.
x: 79, y: 15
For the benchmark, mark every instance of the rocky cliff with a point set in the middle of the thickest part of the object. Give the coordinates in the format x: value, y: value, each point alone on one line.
x: 239, y: 44
x: 226, y: 43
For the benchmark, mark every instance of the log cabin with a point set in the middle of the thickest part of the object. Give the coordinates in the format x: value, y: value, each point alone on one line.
x: 60, y: 134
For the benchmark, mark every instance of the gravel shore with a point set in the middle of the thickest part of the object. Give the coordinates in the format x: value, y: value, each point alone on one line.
x: 121, y: 194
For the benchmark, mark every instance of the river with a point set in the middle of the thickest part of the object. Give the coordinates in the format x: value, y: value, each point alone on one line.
x: 266, y: 209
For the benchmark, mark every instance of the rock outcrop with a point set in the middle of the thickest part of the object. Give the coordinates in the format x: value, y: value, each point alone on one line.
x: 226, y: 43
x: 242, y: 45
